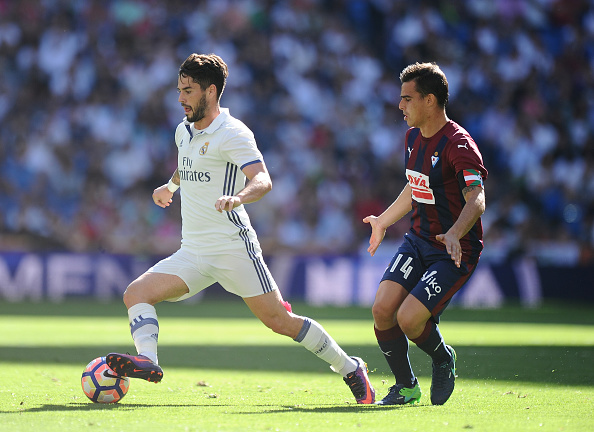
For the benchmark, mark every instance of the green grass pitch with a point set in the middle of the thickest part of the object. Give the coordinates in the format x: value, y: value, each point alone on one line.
x: 518, y: 370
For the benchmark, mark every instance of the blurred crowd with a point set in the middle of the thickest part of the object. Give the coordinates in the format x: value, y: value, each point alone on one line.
x: 88, y: 108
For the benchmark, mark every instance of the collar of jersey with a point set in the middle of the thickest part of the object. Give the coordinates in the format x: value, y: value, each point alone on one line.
x: 211, y: 128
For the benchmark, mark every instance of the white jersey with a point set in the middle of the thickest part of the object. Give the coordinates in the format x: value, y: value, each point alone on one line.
x: 209, y: 166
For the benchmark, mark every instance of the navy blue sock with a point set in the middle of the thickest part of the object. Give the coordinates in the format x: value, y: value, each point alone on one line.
x: 394, y: 345
x: 432, y: 343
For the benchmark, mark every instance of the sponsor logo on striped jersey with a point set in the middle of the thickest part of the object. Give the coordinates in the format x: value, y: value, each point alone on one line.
x: 421, y: 190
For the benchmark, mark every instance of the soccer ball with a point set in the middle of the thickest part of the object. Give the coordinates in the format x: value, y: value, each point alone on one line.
x: 101, y: 384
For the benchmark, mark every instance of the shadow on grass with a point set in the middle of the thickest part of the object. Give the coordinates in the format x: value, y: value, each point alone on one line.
x: 265, y: 409
x: 566, y: 365
x: 333, y: 408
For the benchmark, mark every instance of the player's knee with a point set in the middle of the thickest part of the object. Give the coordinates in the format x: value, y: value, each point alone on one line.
x: 410, y: 324
x: 279, y: 324
x: 381, y: 313
x: 276, y: 325
x: 128, y: 297
x: 132, y: 295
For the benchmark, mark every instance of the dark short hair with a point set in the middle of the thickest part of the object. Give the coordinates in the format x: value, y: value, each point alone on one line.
x: 206, y: 69
x: 429, y: 79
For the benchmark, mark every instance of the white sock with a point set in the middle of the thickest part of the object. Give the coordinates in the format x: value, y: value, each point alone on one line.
x: 313, y: 337
x: 144, y: 327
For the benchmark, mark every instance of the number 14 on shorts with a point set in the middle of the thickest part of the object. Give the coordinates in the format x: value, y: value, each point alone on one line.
x: 406, y: 267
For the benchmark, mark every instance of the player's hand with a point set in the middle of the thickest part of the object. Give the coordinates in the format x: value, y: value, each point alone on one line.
x: 227, y: 203
x: 377, y: 234
x: 162, y: 196
x: 452, y: 244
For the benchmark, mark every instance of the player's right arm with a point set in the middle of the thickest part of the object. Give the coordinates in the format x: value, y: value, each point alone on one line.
x: 258, y: 185
x: 162, y: 196
x: 379, y: 224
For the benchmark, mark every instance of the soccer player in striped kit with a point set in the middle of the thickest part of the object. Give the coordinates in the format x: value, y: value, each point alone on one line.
x: 219, y: 170
x: 445, y: 173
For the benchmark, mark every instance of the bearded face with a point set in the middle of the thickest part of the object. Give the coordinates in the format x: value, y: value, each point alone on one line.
x: 198, y: 111
x: 193, y: 99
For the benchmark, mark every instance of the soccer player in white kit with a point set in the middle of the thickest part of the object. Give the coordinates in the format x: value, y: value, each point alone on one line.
x: 219, y: 169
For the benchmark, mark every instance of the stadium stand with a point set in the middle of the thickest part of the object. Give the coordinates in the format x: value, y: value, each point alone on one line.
x: 88, y: 107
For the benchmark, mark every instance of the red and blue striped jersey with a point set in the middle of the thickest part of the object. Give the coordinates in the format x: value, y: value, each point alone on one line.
x: 437, y: 169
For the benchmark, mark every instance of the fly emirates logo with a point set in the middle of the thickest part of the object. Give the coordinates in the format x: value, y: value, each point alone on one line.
x: 187, y: 173
x: 419, y: 184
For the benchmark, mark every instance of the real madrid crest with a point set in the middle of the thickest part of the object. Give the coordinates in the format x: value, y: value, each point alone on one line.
x: 203, y: 149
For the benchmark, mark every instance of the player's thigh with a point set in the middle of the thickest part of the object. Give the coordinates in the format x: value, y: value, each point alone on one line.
x: 153, y: 288
x: 177, y: 277
x: 388, y: 298
x: 412, y: 317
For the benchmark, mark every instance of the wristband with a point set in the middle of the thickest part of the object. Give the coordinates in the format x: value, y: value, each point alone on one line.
x: 172, y: 186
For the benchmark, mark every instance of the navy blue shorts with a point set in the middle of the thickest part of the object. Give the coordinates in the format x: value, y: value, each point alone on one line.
x: 427, y: 273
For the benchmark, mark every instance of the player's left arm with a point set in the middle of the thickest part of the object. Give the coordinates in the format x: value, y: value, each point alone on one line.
x: 475, y: 205
x: 258, y: 185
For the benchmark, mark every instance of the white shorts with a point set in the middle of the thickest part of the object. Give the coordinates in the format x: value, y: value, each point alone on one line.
x: 237, y: 272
